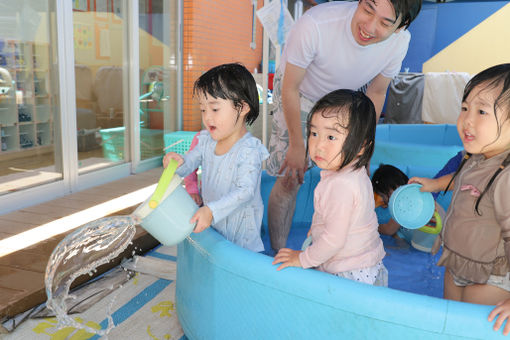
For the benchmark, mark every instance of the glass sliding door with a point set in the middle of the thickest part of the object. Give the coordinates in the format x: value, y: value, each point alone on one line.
x: 158, y: 43
x: 28, y: 95
x: 101, y: 83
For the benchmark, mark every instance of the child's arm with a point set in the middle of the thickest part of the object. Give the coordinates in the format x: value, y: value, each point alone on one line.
x: 433, y: 185
x: 389, y: 228
x: 501, y: 313
x: 203, y: 218
x: 172, y: 155
x: 188, y: 162
x: 245, y: 181
x: 336, y: 209
x: 288, y: 258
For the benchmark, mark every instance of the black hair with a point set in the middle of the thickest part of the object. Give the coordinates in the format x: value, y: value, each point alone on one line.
x: 407, y: 9
x: 490, y: 78
x: 357, y: 110
x: 231, y: 82
x: 388, y: 178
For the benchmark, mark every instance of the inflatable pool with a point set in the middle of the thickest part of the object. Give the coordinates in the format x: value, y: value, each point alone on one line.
x: 227, y: 292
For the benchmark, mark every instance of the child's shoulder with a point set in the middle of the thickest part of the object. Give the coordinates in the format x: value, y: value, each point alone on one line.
x: 251, y: 145
x: 347, y: 179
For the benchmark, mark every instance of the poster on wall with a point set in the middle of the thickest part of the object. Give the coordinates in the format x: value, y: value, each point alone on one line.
x: 102, y: 41
x: 276, y: 20
x: 82, y: 36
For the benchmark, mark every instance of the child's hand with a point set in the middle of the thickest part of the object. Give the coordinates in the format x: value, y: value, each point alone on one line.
x: 428, y: 184
x: 203, y: 218
x: 503, y: 309
x: 197, y: 199
x: 288, y: 258
x: 172, y: 155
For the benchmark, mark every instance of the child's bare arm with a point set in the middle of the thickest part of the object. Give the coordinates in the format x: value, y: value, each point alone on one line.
x: 389, y: 228
x: 433, y: 184
x: 501, y: 313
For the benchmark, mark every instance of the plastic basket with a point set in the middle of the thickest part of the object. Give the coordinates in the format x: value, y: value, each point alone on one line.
x: 183, y: 137
x: 112, y: 141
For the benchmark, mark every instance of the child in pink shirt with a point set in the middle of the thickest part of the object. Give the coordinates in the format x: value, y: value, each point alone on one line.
x: 345, y: 240
x: 191, y: 181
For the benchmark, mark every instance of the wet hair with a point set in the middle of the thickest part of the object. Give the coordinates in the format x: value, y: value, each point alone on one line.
x: 407, y: 9
x: 231, y: 82
x: 355, y: 112
x: 490, y: 78
x: 388, y: 178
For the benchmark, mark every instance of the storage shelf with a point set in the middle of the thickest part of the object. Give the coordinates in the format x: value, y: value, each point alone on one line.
x: 26, y: 112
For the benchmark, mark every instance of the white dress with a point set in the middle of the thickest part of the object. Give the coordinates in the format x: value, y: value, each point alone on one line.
x: 231, y: 187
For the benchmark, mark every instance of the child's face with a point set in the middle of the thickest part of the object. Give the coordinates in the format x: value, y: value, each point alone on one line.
x: 374, y: 21
x: 326, y: 141
x: 477, y: 124
x: 221, y: 118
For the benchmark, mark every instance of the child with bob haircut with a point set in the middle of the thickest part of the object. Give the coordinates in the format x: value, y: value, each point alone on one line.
x: 345, y: 241
x: 231, y: 158
x: 476, y: 233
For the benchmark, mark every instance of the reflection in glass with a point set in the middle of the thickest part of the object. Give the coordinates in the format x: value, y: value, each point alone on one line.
x: 28, y: 102
x: 158, y: 78
x: 99, y: 72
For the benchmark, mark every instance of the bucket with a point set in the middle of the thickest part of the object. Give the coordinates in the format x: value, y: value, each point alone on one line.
x: 410, y: 207
x: 423, y: 241
x: 166, y: 214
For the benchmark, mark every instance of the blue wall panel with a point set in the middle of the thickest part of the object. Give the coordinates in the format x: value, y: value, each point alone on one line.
x: 457, y: 18
x: 423, y: 32
x: 440, y: 24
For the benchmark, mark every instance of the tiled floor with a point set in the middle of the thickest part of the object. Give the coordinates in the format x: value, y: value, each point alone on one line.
x: 22, y: 272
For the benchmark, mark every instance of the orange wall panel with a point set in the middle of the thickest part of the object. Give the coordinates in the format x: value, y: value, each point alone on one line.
x: 215, y: 32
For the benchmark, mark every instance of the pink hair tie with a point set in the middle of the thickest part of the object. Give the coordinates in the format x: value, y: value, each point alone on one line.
x: 474, y: 191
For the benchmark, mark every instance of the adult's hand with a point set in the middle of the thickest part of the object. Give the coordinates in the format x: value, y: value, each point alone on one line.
x: 294, y: 164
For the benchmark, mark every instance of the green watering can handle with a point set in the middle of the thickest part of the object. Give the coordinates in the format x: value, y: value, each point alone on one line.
x: 163, y: 183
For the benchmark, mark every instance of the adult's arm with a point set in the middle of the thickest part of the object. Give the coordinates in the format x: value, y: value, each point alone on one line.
x: 295, y: 158
x: 376, y: 91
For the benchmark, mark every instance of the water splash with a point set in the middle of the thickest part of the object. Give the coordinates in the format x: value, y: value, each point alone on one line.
x: 198, y: 247
x: 81, y: 252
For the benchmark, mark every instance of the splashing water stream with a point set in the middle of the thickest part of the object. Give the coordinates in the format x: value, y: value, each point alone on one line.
x: 81, y: 252
x: 102, y: 240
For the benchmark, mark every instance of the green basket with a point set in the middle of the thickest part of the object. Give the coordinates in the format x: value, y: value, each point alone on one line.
x: 183, y: 137
x: 151, y: 143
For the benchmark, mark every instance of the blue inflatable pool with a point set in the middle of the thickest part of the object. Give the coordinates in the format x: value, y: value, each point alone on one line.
x: 227, y: 292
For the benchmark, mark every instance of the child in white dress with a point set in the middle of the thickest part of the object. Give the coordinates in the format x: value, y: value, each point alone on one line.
x: 231, y: 158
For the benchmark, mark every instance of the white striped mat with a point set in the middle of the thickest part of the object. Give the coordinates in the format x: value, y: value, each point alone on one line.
x: 143, y: 308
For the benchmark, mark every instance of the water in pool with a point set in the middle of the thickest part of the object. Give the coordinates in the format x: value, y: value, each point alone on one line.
x: 409, y: 269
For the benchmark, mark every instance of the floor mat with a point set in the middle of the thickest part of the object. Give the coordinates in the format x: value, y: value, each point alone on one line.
x: 143, y: 308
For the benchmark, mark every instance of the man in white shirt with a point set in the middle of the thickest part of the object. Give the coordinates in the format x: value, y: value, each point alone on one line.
x: 333, y: 45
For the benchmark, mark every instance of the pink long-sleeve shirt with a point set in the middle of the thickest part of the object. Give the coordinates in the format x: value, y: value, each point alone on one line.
x: 344, y: 224
x: 191, y: 181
